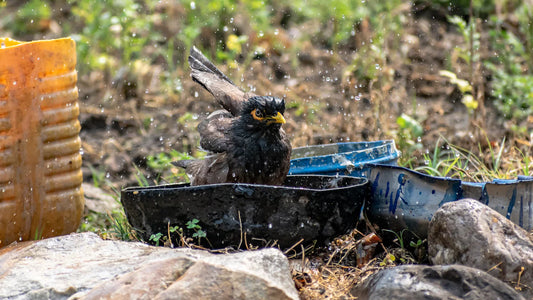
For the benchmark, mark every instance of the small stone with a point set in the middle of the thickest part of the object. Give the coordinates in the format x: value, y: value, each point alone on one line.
x: 97, y: 200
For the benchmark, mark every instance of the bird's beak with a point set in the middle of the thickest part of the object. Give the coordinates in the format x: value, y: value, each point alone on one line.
x: 277, y: 119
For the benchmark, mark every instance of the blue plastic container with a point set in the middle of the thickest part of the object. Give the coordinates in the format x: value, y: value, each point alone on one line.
x: 342, y: 158
x: 512, y: 198
x: 402, y: 198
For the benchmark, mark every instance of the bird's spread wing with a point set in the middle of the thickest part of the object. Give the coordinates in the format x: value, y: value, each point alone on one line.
x: 214, y: 131
x: 212, y: 79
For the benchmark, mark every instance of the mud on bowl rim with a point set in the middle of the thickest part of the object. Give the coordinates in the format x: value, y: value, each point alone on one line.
x: 284, y: 214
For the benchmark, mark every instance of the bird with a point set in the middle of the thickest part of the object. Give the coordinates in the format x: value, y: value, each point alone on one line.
x: 245, y: 140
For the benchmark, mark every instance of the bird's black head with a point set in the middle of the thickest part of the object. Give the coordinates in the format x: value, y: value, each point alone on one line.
x: 264, y: 111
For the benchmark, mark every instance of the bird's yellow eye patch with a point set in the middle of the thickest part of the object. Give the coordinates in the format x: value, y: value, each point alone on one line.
x: 257, y: 115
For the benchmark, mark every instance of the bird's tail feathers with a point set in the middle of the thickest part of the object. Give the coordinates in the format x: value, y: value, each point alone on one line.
x: 182, y: 163
x: 198, y: 62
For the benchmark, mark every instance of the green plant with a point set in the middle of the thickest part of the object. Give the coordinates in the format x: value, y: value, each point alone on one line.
x: 457, y: 162
x: 471, y: 37
x: 399, y: 236
x: 161, y: 163
x: 403, y: 254
x: 408, y: 137
x: 512, y: 65
x: 198, y: 232
x: 496, y: 158
x: 469, y: 53
x: 113, y: 224
x: 218, y: 17
x: 111, y: 30
x: 526, y: 165
x: 31, y: 18
x: 140, y: 177
x: 524, y: 14
x: 511, y: 87
x: 38, y: 234
x: 442, y: 163
x: 97, y: 175
x: 370, y: 63
x: 342, y: 18
x: 166, y: 240
x: 464, y: 87
x: 156, y: 237
x: 234, y: 45
x: 120, y: 227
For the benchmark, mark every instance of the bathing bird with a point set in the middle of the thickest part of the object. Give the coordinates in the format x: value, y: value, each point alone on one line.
x: 245, y: 140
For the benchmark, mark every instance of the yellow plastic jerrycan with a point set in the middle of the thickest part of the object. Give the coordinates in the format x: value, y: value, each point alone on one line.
x: 40, y: 160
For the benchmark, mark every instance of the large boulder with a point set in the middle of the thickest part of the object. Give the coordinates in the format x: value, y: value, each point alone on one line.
x: 83, y: 266
x: 453, y: 282
x: 470, y: 233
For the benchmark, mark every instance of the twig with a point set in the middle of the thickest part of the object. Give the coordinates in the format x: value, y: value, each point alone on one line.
x: 303, y: 257
x: 495, y: 267
x: 291, y: 248
x: 332, y: 255
x: 169, y: 238
x: 240, y: 226
x: 517, y: 286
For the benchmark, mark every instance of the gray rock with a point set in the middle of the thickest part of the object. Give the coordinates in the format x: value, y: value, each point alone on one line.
x: 470, y: 233
x: 452, y: 282
x: 83, y: 266
x: 97, y: 200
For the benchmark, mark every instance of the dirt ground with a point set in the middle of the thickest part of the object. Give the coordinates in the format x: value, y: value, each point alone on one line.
x: 126, y: 119
x: 121, y: 125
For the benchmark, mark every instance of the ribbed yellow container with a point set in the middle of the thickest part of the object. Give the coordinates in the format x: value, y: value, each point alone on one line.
x: 40, y: 160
